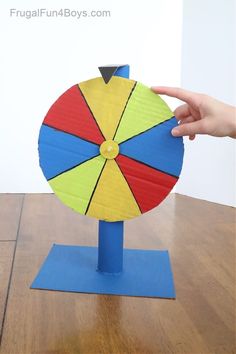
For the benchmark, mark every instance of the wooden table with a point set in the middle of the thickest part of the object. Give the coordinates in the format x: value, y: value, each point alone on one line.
x: 200, y: 237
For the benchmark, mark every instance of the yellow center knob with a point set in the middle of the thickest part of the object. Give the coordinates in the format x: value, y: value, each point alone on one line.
x: 109, y: 149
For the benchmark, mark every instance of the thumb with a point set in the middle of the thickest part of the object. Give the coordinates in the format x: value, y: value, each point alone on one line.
x: 188, y: 129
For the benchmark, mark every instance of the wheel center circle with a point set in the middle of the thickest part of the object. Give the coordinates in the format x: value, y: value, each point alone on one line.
x: 109, y: 149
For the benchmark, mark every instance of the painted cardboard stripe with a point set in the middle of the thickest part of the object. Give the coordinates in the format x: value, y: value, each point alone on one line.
x: 113, y: 199
x: 59, y: 151
x: 144, y: 110
x: 75, y: 187
x: 149, y: 186
x: 157, y: 148
x: 107, y: 101
x: 70, y: 113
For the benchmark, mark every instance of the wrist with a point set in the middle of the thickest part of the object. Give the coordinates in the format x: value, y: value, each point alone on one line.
x: 232, y: 123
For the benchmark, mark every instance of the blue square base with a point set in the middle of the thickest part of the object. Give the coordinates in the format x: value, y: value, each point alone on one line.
x: 73, y: 269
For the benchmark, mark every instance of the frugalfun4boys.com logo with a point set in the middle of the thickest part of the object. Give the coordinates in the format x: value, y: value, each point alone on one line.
x: 59, y: 13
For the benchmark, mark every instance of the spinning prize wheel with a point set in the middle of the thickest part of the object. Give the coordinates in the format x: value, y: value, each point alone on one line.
x: 106, y: 150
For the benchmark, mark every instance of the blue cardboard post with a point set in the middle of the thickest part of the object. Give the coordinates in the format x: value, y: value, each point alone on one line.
x: 122, y: 71
x: 111, y: 234
x: 110, y: 247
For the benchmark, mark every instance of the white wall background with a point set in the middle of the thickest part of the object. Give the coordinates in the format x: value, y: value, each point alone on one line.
x: 209, y: 66
x: 42, y: 57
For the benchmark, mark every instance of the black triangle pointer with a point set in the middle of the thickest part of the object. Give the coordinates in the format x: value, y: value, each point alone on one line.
x: 107, y: 72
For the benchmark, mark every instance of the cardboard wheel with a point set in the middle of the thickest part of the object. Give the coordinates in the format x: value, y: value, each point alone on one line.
x: 106, y: 149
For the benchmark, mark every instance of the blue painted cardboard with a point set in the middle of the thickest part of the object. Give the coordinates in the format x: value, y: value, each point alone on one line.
x: 123, y: 71
x: 110, y: 246
x: 156, y: 147
x: 72, y: 268
x: 64, y: 153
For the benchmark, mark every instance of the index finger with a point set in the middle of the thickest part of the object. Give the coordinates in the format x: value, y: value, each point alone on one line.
x: 189, y: 97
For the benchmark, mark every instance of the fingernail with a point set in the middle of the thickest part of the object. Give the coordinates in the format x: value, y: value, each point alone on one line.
x: 175, y: 132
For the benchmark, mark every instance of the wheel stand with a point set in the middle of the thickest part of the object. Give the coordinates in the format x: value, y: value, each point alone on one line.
x: 108, y: 268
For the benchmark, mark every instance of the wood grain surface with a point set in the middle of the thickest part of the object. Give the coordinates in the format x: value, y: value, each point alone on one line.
x: 10, y: 209
x: 6, y: 257
x: 200, y: 237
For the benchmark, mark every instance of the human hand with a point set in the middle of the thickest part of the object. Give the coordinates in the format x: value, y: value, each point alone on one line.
x: 201, y: 114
